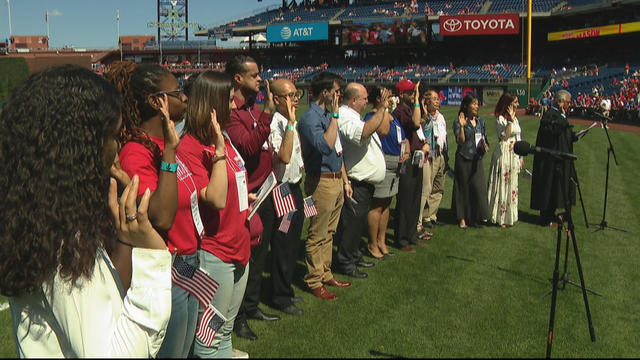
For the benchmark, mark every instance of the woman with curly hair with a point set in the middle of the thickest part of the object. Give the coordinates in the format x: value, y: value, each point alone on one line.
x: 224, y: 250
x: 61, y: 218
x: 469, y: 185
x: 505, y: 164
x: 152, y: 98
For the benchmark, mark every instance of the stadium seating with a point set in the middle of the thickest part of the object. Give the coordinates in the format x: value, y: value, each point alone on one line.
x: 506, y: 6
x: 489, y: 72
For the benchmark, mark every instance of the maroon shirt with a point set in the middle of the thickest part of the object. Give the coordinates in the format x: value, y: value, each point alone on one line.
x: 249, y: 130
x: 404, y: 114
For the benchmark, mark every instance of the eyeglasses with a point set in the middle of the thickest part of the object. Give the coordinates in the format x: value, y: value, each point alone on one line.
x: 294, y: 95
x: 175, y: 93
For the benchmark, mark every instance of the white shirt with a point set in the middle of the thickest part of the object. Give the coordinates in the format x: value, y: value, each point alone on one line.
x: 363, y: 159
x: 291, y: 172
x: 439, y: 129
x: 94, y: 319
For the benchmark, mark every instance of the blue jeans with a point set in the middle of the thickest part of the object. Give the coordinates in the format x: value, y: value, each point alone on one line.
x: 232, y: 280
x: 184, y: 318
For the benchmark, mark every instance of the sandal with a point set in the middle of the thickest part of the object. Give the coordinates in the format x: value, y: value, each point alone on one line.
x: 423, y: 234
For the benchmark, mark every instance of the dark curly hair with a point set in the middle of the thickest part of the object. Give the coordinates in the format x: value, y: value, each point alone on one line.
x: 136, y: 83
x: 54, y: 177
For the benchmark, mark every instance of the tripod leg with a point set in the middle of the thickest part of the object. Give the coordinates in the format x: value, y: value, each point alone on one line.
x: 565, y: 274
x: 554, y: 291
x: 584, y: 289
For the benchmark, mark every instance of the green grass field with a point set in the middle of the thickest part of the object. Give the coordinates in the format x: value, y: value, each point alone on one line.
x: 478, y: 292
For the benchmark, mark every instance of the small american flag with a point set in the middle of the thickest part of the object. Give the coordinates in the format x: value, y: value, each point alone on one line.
x: 210, y: 322
x: 283, y: 199
x: 309, y: 207
x: 194, y: 280
x: 285, y: 224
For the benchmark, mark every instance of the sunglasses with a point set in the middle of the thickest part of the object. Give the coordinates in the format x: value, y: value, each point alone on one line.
x: 175, y: 93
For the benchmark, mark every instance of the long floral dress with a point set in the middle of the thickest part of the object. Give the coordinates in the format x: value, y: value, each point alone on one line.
x: 503, y: 175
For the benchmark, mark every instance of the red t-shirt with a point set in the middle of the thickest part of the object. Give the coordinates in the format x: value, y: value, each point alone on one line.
x: 229, y: 242
x: 135, y: 158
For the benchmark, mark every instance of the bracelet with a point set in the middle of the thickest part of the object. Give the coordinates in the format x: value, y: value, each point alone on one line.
x: 125, y: 243
x: 218, y: 157
x: 335, y: 115
x: 416, y: 105
x: 289, y: 127
x: 165, y: 166
x: 348, y: 182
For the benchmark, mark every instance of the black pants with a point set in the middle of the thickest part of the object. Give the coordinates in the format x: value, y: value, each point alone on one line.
x: 353, y: 221
x: 251, y: 298
x: 284, y: 252
x: 408, y: 205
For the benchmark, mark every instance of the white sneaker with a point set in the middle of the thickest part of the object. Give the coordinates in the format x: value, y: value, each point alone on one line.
x: 239, y: 354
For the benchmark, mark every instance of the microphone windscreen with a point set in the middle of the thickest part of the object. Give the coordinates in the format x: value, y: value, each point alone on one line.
x: 522, y: 148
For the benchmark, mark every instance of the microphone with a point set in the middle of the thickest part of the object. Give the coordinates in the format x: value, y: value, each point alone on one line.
x: 523, y: 148
x: 601, y: 116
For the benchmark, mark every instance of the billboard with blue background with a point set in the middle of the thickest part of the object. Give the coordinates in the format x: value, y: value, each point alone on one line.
x: 298, y: 32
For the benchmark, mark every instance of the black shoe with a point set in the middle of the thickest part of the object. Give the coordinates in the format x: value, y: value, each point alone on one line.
x: 436, y: 222
x: 355, y: 273
x: 242, y: 329
x: 428, y: 224
x: 364, y: 264
x: 297, y: 299
x: 259, y: 315
x: 292, y: 310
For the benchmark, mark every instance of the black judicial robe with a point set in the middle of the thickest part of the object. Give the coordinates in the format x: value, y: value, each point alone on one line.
x: 551, y: 175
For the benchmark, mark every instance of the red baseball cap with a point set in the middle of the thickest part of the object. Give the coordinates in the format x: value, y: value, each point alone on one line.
x: 405, y: 85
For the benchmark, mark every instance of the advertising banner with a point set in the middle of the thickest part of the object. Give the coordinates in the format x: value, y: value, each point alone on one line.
x: 454, y: 95
x: 298, y: 32
x: 443, y: 94
x: 594, y: 31
x: 491, y: 95
x: 495, y: 24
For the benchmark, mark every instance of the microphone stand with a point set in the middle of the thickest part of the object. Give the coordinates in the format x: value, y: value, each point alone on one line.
x: 603, y: 224
x: 556, y: 276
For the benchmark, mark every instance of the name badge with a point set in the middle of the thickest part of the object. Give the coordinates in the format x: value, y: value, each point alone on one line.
x: 338, y: 145
x: 399, y: 134
x: 241, y: 183
x: 421, y: 134
x: 195, y: 214
x: 478, y: 138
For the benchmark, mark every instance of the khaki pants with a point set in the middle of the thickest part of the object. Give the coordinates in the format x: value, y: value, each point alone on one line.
x: 426, y: 190
x: 328, y: 196
x: 437, y: 188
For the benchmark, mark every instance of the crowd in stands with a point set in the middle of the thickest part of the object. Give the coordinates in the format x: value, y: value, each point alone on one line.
x: 400, y: 32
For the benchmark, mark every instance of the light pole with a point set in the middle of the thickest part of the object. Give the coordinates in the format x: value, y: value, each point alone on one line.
x: 9, y: 13
x: 119, y: 42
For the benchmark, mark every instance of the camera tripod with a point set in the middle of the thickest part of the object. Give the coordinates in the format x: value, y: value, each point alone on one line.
x: 556, y: 278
